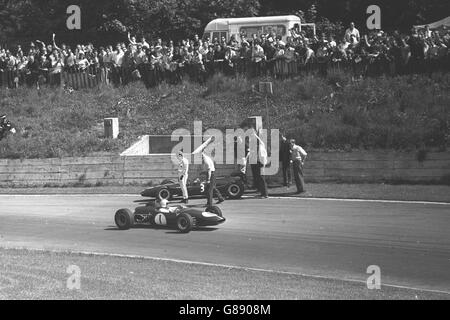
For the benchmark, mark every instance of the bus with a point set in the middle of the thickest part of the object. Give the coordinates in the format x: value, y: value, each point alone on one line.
x: 228, y: 27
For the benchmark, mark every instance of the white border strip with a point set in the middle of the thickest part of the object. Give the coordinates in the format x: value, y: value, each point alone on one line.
x: 358, y: 200
x: 118, y: 255
x: 244, y: 197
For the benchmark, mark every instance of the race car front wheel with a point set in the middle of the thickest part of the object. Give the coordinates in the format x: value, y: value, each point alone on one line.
x: 124, y: 219
x: 164, y: 194
x: 185, y: 222
x: 235, y: 190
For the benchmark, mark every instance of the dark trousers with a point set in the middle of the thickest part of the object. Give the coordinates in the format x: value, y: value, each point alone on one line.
x: 243, y: 177
x: 211, y: 189
x: 298, y: 175
x: 286, y: 167
x: 258, y: 179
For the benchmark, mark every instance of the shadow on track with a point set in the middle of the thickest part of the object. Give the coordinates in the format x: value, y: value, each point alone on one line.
x: 169, y: 230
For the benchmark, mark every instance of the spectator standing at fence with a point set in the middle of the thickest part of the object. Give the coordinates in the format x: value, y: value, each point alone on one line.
x: 309, y: 54
x: 82, y: 62
x: 428, y: 32
x: 199, y: 68
x: 128, y: 65
x: 57, y: 65
x: 270, y: 52
x: 219, y: 57
x: 298, y: 156
x: 416, y: 45
x: 258, y: 57
x: 117, y: 60
x: 352, y: 34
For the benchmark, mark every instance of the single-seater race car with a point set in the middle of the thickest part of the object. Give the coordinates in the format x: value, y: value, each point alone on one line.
x: 180, y: 217
x: 231, y: 187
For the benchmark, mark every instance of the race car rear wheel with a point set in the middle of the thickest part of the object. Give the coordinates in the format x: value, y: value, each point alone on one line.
x: 185, y: 223
x: 124, y: 219
x: 215, y: 210
x: 235, y: 190
x: 164, y: 194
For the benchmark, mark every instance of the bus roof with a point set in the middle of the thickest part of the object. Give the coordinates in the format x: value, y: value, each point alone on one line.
x: 223, y: 23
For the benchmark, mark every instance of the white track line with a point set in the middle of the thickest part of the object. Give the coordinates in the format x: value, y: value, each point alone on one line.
x: 118, y: 255
x: 245, y: 197
x: 357, y: 200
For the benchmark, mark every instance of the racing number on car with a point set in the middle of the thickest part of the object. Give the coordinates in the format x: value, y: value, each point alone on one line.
x: 202, y: 187
x: 160, y: 219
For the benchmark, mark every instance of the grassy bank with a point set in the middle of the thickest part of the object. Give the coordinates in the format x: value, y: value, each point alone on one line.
x: 322, y: 113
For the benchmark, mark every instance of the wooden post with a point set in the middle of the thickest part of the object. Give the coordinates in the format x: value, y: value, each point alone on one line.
x: 111, y: 127
x: 267, y: 89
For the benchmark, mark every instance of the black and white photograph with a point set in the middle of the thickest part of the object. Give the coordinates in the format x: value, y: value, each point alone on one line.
x: 223, y: 156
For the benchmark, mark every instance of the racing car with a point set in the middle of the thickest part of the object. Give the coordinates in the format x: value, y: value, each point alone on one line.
x: 231, y: 187
x: 180, y: 217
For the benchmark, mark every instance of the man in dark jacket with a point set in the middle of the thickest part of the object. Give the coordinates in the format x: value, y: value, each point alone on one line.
x: 285, y: 160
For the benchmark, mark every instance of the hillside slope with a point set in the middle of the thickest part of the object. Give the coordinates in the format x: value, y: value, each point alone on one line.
x: 410, y: 112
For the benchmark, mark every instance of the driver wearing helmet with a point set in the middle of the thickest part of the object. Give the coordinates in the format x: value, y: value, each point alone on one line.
x: 162, y: 206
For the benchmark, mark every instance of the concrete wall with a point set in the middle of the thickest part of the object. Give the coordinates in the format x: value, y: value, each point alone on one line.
x: 377, y: 166
x: 114, y: 170
x: 320, y: 166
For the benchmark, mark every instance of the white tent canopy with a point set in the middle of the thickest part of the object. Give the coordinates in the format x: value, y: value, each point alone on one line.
x: 438, y: 24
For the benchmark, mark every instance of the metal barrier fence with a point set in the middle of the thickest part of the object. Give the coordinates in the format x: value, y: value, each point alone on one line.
x: 152, y: 75
x: 9, y: 79
x: 83, y: 79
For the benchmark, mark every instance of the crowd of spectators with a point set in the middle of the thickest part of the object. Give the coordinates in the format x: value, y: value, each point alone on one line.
x: 374, y: 53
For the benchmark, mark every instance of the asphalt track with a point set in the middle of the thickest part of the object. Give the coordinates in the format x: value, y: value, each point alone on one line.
x: 335, y: 239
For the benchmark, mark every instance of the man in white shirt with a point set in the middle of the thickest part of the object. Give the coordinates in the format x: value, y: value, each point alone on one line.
x: 298, y: 156
x: 183, y: 169
x: 352, y: 34
x: 211, y: 180
x: 117, y: 57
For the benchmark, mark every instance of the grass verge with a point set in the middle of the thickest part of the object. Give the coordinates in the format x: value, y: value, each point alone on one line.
x: 31, y: 274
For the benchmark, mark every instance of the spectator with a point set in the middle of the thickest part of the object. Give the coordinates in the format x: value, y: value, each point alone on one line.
x: 298, y: 156
x: 352, y: 34
x: 211, y: 181
x: 373, y: 54
x: 258, y: 57
x: 285, y: 160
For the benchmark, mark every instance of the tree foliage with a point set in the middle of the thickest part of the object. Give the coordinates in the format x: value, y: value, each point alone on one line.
x: 107, y: 20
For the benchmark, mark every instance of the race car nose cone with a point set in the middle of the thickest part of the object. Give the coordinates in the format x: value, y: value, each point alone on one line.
x: 209, y: 215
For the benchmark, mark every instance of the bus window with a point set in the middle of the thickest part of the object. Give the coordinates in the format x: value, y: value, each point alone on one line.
x: 224, y: 34
x: 215, y: 36
x: 279, y: 30
x: 249, y: 31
